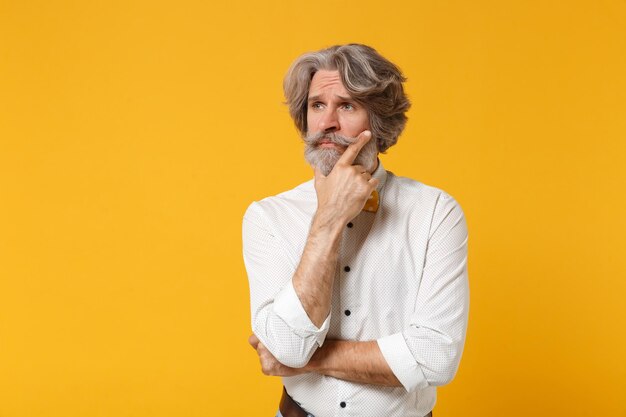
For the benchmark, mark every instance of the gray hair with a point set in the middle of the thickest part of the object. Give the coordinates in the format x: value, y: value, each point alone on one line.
x: 371, y: 80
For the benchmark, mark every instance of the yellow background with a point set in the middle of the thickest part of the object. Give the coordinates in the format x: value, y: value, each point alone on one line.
x: 133, y: 135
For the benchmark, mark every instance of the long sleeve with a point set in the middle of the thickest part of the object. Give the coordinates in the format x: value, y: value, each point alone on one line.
x: 428, y: 351
x: 278, y: 317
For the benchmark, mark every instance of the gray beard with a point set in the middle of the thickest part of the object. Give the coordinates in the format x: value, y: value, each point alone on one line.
x: 326, y: 158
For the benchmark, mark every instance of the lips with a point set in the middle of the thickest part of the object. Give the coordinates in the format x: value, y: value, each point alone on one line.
x: 327, y: 144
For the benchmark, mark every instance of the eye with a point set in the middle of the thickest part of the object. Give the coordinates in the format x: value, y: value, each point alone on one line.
x: 348, y: 106
x: 316, y: 105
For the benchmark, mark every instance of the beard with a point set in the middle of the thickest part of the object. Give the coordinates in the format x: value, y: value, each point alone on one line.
x: 326, y: 158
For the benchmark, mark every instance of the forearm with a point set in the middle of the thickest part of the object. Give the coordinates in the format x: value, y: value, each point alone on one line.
x: 360, y: 362
x: 314, y: 277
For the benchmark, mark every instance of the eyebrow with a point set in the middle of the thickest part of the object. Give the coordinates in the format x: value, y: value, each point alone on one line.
x: 315, y: 98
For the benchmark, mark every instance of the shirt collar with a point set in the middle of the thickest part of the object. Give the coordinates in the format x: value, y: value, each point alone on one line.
x: 381, y: 175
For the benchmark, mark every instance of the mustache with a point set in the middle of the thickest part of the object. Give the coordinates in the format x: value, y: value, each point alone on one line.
x: 316, y: 138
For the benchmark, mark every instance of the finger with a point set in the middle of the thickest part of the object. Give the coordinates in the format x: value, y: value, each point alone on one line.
x: 253, y: 340
x: 359, y: 169
x: 349, y: 155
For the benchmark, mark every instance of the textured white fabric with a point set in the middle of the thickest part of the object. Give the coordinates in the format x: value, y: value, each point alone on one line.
x: 401, y: 280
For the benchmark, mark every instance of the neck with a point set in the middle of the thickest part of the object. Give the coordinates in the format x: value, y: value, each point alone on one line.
x: 375, y: 166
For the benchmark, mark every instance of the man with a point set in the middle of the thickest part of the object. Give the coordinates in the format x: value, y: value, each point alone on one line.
x: 358, y: 278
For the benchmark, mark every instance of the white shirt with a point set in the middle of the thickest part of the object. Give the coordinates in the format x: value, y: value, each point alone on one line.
x: 401, y: 280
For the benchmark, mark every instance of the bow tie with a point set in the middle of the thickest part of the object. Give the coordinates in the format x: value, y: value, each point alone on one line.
x: 371, y: 205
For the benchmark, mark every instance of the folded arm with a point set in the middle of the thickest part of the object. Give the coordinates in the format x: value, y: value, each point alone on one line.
x: 279, y: 315
x: 348, y: 360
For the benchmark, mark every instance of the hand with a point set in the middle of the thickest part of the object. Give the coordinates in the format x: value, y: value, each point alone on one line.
x: 269, y: 365
x: 343, y: 193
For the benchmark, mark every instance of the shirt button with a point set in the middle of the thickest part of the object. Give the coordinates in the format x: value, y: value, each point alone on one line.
x: 346, y: 268
x: 342, y: 404
x: 347, y: 312
x: 350, y: 224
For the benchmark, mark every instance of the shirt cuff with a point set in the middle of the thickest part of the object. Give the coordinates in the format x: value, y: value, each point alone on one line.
x: 288, y: 307
x: 402, y: 363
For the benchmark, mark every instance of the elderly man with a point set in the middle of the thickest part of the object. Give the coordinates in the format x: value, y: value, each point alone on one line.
x: 358, y: 278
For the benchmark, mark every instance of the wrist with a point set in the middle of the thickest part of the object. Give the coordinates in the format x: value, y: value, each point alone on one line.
x: 328, y: 221
x: 317, y: 364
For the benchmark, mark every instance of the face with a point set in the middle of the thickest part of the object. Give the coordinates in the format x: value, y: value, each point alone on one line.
x: 334, y: 121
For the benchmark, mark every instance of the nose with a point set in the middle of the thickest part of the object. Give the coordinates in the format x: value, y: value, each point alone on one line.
x: 329, y: 121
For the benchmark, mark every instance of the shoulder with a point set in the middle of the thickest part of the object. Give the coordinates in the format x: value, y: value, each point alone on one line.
x: 429, y: 206
x: 281, y: 207
x: 412, y: 192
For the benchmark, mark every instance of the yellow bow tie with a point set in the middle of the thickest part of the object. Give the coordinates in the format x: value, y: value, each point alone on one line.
x: 371, y: 204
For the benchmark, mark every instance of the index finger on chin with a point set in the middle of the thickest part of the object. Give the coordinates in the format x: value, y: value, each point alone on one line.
x: 351, y: 152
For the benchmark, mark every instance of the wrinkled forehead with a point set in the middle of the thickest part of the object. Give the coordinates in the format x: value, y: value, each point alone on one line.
x: 325, y: 82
